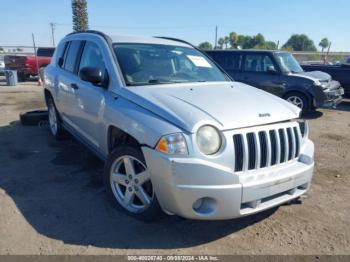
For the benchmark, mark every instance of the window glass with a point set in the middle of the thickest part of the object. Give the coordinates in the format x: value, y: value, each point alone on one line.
x: 60, y: 51
x: 71, y: 56
x: 147, y: 64
x: 288, y: 63
x: 258, y: 63
x: 228, y: 60
x: 48, y: 52
x: 92, y: 57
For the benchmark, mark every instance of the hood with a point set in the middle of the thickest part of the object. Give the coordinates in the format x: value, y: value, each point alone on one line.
x: 315, y: 75
x: 227, y: 105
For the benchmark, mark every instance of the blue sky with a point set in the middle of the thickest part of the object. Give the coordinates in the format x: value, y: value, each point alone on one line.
x: 192, y: 20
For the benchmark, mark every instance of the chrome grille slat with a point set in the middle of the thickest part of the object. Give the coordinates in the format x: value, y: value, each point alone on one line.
x: 268, y: 143
x: 286, y: 144
x: 266, y: 147
x: 293, y: 142
x: 257, y: 151
x: 245, y: 153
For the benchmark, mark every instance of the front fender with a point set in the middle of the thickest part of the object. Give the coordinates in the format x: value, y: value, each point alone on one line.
x: 146, y: 127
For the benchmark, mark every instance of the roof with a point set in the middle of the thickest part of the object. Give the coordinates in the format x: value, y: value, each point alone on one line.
x: 248, y: 50
x: 146, y: 40
x: 136, y: 39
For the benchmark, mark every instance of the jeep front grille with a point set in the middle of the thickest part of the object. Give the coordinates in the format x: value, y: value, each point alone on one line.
x: 268, y: 147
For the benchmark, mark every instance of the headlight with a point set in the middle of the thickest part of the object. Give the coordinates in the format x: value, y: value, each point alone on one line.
x: 208, y: 140
x: 173, y: 144
x: 304, y: 127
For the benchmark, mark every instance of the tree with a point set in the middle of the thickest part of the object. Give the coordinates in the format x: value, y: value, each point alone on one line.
x: 221, y: 42
x: 205, y: 46
x: 19, y: 49
x: 245, y: 41
x: 257, y: 40
x: 1, y: 49
x: 226, y: 41
x: 268, y: 45
x: 80, y: 15
x: 233, y: 37
x: 324, y: 43
x: 300, y: 43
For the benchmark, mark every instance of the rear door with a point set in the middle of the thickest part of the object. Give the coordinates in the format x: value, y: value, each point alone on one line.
x: 67, y: 77
x: 260, y: 70
x: 230, y: 61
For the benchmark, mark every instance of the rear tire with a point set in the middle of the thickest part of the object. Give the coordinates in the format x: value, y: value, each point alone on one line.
x: 55, y: 124
x: 300, y: 100
x: 128, y: 184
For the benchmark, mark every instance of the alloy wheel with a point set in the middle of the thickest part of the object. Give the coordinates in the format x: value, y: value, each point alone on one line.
x: 297, y: 101
x: 131, y: 185
x: 53, y: 119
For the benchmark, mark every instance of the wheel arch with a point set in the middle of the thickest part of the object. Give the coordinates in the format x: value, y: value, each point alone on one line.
x: 308, y: 95
x: 117, y: 137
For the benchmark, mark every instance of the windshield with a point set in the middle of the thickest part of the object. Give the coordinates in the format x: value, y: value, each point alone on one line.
x: 288, y: 63
x: 147, y: 64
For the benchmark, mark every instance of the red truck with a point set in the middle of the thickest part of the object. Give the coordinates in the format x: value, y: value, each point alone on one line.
x: 26, y: 64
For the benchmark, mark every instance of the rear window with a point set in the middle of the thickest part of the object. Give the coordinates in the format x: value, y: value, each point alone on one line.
x: 48, y: 52
x: 60, y: 50
x: 71, y: 56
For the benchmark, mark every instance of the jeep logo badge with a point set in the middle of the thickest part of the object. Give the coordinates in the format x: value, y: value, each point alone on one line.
x: 264, y: 115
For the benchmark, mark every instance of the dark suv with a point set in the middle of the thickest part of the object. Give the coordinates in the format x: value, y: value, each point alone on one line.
x: 279, y: 73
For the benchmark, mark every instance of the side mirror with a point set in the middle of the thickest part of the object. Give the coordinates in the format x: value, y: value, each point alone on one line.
x: 91, y: 74
x: 271, y: 70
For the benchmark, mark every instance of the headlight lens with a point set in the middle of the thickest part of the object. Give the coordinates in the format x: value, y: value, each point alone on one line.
x: 173, y: 144
x: 304, y: 127
x: 208, y: 140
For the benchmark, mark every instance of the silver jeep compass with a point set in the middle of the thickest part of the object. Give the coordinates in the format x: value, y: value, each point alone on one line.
x: 176, y: 133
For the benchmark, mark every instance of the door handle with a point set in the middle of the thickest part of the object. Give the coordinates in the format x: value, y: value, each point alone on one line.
x: 74, y: 86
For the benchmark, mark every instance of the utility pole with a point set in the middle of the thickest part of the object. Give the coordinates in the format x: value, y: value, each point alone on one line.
x: 52, y: 25
x: 216, y: 37
x: 36, y: 57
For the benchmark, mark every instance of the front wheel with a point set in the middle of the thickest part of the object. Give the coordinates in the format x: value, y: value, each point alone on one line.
x: 299, y: 100
x: 128, y: 184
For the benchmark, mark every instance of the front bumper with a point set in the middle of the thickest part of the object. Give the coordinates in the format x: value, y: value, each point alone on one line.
x: 331, y: 97
x: 180, y: 182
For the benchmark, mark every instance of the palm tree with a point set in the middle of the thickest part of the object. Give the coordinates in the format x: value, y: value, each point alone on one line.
x: 233, y: 39
x: 221, y: 42
x: 226, y: 41
x: 80, y: 15
x: 324, y: 43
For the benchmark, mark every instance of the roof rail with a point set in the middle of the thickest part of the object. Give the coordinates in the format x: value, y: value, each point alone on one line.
x: 176, y: 39
x: 106, y: 37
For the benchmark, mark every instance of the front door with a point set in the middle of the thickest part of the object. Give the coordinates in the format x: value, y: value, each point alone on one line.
x: 90, y: 98
x: 260, y: 71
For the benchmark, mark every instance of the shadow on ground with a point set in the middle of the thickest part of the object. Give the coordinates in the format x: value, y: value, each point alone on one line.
x: 57, y: 188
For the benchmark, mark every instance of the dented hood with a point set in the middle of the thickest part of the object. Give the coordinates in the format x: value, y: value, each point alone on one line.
x: 227, y: 105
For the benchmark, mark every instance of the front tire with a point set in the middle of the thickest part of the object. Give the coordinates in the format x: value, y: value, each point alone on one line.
x: 300, y: 100
x: 128, y: 184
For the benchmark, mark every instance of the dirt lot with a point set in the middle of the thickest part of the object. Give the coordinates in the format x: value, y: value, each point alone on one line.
x: 52, y: 200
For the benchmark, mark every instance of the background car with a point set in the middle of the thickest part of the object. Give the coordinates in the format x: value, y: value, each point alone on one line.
x: 2, y: 65
x: 279, y: 73
x: 26, y: 64
x: 339, y: 72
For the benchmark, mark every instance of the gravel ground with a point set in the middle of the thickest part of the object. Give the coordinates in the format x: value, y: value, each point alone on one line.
x: 52, y: 200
